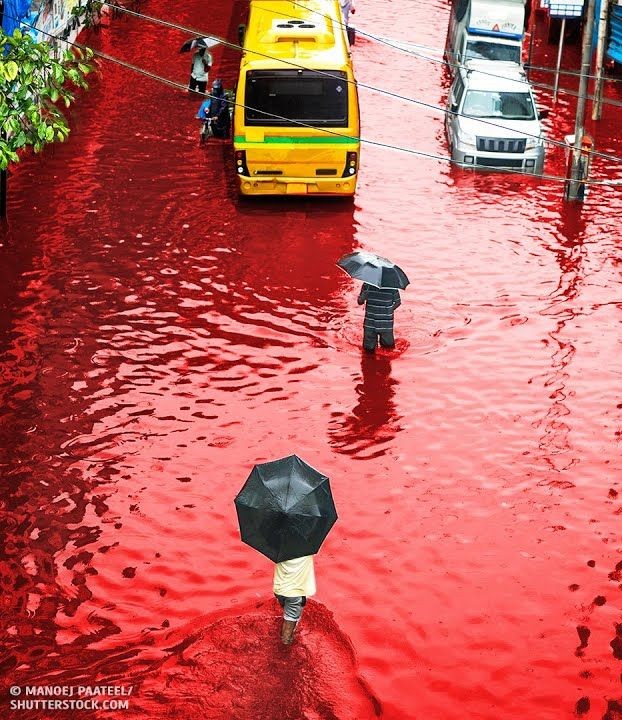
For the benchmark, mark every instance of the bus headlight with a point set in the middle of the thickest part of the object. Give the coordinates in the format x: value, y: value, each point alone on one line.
x: 351, y: 165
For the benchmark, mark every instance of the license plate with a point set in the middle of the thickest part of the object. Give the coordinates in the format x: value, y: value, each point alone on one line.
x: 296, y: 189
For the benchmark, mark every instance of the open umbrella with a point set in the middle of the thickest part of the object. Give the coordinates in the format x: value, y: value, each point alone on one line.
x: 199, y: 42
x: 374, y: 270
x: 285, y: 509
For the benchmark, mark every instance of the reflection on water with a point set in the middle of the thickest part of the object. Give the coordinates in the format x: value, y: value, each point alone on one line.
x: 570, y: 254
x: 233, y: 665
x: 373, y: 422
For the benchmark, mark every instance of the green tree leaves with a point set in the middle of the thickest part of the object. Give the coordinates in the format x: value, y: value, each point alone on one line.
x: 9, y: 70
x: 33, y: 87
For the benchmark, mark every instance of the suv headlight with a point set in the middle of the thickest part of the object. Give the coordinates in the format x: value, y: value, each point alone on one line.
x: 533, y: 143
x: 467, y: 139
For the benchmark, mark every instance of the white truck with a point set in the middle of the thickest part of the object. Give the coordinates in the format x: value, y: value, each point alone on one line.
x: 485, y: 30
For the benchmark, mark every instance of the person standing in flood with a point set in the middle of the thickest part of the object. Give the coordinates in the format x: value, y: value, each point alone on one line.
x: 199, y: 72
x: 381, y: 279
x: 294, y: 581
x: 380, y: 304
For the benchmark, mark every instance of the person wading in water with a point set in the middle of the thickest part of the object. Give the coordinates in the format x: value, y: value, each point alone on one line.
x: 379, y: 308
x: 294, y: 580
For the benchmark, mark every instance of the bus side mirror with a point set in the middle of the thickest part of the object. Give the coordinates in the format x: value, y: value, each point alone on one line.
x: 543, y: 114
x: 454, y: 106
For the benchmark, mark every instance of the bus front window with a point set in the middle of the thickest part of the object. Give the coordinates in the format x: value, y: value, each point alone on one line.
x: 292, y: 97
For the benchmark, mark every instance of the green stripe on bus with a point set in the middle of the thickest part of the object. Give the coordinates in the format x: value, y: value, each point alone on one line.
x: 298, y: 140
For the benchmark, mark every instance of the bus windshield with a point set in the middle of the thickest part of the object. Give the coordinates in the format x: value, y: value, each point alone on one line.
x: 295, y: 97
x: 508, y: 105
x: 482, y: 50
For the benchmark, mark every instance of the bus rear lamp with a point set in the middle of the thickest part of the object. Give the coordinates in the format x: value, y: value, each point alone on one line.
x: 240, y: 161
x: 351, y: 163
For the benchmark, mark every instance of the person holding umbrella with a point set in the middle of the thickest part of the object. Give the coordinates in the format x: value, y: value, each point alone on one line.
x: 199, y: 71
x: 201, y: 61
x: 285, y: 510
x: 381, y: 280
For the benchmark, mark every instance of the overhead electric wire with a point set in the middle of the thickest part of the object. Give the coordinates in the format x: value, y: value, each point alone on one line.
x: 405, y: 45
x: 442, y: 52
x: 392, y: 44
x: 375, y: 143
x: 478, y: 68
x: 446, y: 111
x: 483, y: 72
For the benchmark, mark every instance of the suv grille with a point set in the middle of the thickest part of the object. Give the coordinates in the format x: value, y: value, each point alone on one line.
x: 504, y: 145
x: 499, y: 162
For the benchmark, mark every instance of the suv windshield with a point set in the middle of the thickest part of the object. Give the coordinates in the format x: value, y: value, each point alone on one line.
x: 481, y: 50
x: 508, y: 105
x: 294, y: 97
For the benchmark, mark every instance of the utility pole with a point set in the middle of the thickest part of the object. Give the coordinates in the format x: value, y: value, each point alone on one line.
x: 562, y: 32
x: 597, y: 105
x: 573, y: 184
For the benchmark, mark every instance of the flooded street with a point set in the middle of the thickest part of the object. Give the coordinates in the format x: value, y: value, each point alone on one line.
x: 160, y: 336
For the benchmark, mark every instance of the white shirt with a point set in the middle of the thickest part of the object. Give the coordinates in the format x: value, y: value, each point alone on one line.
x: 346, y: 8
x: 199, y: 71
x: 296, y: 577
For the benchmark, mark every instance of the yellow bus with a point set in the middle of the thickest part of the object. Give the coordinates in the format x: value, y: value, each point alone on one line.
x: 296, y: 118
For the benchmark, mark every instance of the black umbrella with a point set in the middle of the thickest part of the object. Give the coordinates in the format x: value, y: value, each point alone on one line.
x: 199, y: 42
x: 373, y: 269
x: 285, y: 509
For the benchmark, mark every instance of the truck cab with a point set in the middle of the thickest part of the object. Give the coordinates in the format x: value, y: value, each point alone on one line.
x: 485, y: 30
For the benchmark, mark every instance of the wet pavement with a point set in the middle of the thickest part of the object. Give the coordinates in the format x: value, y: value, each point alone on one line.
x: 159, y: 336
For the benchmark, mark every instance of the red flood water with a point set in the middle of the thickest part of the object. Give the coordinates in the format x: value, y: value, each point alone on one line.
x: 158, y: 337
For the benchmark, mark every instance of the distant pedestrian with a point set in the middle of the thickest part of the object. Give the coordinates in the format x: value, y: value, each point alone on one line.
x: 219, y: 111
x: 347, y: 7
x: 294, y: 581
x: 214, y: 113
x: 380, y: 304
x: 199, y: 72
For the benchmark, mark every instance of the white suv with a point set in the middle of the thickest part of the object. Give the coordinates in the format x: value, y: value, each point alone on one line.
x: 492, y: 119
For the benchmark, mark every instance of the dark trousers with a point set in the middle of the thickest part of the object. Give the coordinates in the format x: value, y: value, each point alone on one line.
x: 197, y: 85
x: 370, y: 339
